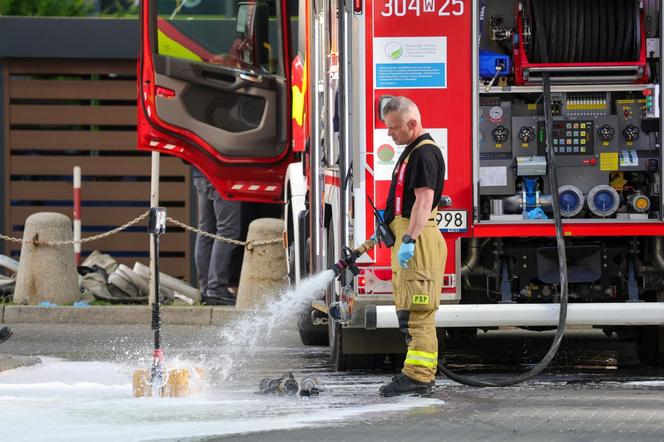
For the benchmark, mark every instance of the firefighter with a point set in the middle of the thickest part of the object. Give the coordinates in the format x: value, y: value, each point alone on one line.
x: 418, y: 256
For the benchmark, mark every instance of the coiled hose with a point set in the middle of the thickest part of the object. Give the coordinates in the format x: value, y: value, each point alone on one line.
x: 584, y: 31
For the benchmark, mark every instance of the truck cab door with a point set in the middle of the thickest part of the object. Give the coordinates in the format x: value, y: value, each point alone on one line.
x: 213, y: 90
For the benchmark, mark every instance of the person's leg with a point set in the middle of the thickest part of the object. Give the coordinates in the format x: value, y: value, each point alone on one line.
x: 419, y: 370
x: 422, y: 357
x: 207, y: 223
x: 228, y: 216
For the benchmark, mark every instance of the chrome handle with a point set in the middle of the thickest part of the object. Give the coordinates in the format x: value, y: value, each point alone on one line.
x: 252, y: 78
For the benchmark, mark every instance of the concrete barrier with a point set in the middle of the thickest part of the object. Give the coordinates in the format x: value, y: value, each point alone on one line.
x: 264, y: 268
x: 46, y: 272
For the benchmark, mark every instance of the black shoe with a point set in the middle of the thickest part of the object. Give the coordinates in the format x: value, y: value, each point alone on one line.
x: 402, y: 384
x: 5, y: 333
x: 214, y: 300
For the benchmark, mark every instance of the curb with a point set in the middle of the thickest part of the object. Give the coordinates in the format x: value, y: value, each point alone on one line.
x: 111, y: 315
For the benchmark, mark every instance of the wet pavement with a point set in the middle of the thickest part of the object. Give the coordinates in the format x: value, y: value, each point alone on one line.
x: 595, y: 390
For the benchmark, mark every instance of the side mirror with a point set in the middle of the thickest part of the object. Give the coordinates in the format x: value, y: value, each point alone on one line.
x: 252, y: 27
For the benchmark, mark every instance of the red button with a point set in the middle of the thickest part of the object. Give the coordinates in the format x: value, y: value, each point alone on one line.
x: 646, y: 92
x: 590, y: 162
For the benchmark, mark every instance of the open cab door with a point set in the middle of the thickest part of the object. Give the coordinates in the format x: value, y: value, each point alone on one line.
x: 213, y: 90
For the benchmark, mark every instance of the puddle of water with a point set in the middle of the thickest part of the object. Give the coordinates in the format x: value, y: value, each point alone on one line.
x: 82, y: 401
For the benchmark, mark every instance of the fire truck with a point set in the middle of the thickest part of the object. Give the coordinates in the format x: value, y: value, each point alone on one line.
x: 547, y: 113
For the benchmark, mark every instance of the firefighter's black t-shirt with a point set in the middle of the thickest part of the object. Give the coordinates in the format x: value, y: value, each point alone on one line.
x: 426, y: 168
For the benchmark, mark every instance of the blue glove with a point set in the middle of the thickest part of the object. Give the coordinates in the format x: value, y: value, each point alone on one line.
x: 406, y: 251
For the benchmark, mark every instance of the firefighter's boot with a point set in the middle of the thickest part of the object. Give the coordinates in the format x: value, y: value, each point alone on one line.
x: 402, y: 384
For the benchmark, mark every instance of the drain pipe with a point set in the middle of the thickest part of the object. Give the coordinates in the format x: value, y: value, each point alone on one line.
x: 472, y: 256
x: 657, y: 253
x: 656, y: 248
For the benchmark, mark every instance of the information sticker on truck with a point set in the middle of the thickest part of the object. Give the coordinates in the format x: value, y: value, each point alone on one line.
x: 452, y: 221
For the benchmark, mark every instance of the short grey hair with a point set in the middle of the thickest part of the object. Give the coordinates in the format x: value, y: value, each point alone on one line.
x: 403, y: 106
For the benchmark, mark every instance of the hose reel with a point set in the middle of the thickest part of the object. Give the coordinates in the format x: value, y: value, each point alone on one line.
x: 587, y: 41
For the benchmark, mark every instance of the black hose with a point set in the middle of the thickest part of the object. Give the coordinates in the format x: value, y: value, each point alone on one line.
x: 585, y: 30
x: 594, y: 16
x: 603, y: 34
x: 611, y: 40
x: 562, y: 256
x: 629, y: 29
x: 578, y: 32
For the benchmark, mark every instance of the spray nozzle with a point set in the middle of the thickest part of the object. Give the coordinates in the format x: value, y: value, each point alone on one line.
x: 350, y: 256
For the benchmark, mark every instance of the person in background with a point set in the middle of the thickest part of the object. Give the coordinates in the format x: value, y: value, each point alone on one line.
x: 218, y: 271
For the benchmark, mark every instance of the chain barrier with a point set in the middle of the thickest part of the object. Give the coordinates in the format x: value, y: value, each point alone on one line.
x: 37, y: 242
x: 248, y: 244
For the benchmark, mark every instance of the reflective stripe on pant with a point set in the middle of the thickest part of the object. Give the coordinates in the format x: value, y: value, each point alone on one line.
x: 417, y: 294
x: 422, y: 357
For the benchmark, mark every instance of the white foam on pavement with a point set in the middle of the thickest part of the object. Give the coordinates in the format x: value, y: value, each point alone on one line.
x: 83, y: 401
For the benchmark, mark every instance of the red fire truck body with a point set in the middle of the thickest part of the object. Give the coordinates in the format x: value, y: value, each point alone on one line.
x: 300, y: 124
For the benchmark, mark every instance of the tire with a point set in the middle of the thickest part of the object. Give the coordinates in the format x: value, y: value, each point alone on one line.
x: 648, y: 346
x: 310, y: 333
x: 339, y: 359
x: 314, y: 334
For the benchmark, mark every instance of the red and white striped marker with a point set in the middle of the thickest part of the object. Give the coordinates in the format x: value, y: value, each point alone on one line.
x: 77, y: 213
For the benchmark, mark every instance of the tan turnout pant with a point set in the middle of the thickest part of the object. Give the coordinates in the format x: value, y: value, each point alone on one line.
x: 417, y: 296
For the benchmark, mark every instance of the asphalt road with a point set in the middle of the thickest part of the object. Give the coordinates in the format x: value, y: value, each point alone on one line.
x: 594, y: 391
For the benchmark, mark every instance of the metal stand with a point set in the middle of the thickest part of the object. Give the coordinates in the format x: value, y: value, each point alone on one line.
x: 156, y: 227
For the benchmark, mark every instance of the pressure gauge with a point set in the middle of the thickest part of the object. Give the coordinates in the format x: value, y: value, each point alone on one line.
x: 496, y: 113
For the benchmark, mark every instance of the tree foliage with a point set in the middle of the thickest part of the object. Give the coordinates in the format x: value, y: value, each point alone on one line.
x: 62, y: 8
x: 66, y: 8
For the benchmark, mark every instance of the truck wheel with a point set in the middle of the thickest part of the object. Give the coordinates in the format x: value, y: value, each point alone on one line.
x: 339, y: 359
x: 649, y: 345
x: 312, y: 326
x: 311, y: 323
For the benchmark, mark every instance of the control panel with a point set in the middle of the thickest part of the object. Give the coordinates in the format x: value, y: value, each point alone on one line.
x: 606, y: 146
x: 570, y: 137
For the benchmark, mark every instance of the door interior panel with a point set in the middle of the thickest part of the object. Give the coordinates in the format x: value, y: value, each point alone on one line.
x: 230, y: 111
x: 235, y: 111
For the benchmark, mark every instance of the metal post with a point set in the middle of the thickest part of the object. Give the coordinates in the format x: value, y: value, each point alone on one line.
x: 77, y: 214
x: 345, y: 119
x: 474, y: 79
x: 315, y: 176
x: 154, y: 202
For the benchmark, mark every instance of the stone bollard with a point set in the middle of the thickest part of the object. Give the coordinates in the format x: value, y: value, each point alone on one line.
x: 45, y: 272
x: 263, y: 275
